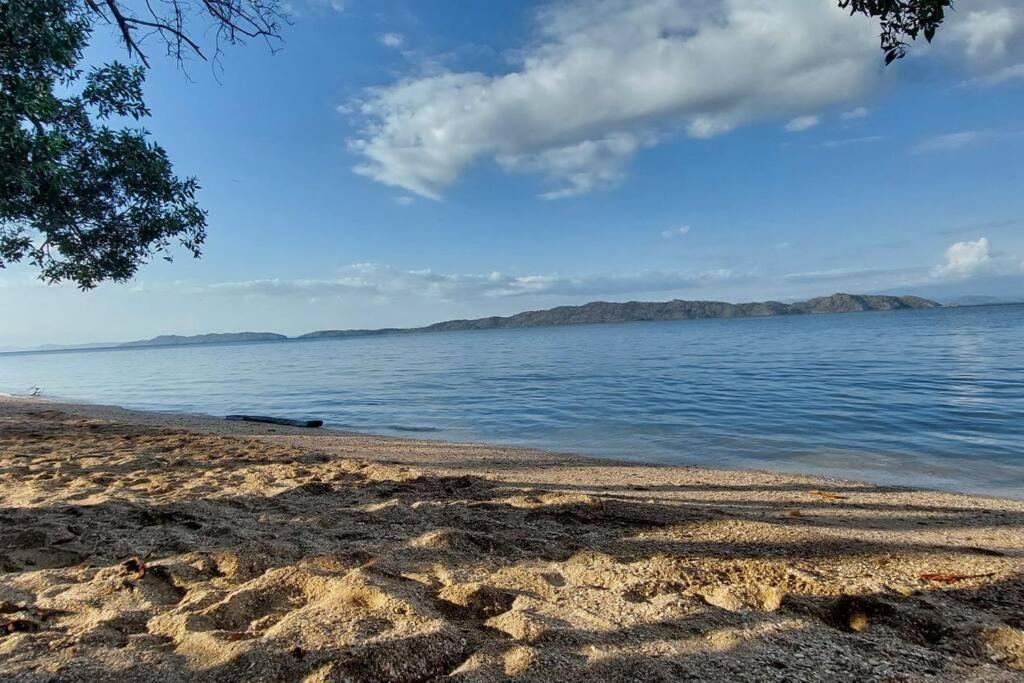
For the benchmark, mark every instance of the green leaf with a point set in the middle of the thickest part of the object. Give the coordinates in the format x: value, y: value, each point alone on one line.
x: 82, y: 202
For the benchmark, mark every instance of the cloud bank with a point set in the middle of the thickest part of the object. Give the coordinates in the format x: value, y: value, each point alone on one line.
x: 604, y: 79
x: 369, y: 281
x: 373, y: 280
x: 607, y: 78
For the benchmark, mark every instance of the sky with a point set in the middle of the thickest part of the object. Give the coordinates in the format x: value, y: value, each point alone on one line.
x: 400, y: 162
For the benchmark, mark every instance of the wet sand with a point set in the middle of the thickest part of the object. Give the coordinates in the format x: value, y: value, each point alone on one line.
x: 154, y: 547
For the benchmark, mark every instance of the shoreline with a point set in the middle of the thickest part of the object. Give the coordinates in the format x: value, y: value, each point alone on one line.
x: 204, y: 422
x: 167, y: 547
x: 302, y: 437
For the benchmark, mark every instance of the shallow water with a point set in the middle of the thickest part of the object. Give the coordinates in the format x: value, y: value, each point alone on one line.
x: 924, y: 398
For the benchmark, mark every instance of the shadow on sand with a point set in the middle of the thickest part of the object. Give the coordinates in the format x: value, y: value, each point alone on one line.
x: 263, y: 563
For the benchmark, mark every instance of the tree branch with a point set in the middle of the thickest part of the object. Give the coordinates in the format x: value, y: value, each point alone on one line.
x: 126, y: 31
x: 233, y: 21
x: 177, y: 33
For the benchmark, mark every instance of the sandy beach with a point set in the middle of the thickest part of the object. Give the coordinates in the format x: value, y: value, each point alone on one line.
x: 153, y: 547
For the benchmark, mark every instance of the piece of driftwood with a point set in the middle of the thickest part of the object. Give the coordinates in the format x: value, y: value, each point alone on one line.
x: 943, y: 577
x: 276, y: 420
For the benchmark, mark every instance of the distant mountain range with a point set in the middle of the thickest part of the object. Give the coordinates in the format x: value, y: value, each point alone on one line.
x: 223, y: 338
x: 637, y: 311
x: 985, y: 300
x: 596, y: 312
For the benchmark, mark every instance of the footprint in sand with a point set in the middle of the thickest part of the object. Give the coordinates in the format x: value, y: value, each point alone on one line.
x: 159, y: 587
x: 32, y: 549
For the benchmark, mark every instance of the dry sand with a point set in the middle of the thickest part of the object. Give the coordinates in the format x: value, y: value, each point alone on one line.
x: 141, y: 546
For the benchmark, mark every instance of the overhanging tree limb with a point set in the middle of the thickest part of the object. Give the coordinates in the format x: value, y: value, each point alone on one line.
x: 232, y: 21
x: 126, y: 30
x: 901, y: 21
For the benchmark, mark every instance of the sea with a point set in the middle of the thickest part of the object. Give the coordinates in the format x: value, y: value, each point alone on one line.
x: 924, y: 398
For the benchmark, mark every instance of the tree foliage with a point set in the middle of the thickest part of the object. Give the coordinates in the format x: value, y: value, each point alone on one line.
x: 81, y: 200
x: 901, y: 20
x: 85, y: 194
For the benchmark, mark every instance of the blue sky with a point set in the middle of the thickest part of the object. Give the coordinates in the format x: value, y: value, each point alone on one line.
x: 402, y: 162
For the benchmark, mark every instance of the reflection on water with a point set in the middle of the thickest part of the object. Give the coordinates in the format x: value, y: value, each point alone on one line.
x: 932, y: 398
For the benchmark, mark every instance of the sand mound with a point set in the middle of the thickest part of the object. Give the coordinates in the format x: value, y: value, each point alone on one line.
x: 132, y: 551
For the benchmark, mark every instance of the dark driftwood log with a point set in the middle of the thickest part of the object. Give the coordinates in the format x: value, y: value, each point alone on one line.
x: 276, y: 420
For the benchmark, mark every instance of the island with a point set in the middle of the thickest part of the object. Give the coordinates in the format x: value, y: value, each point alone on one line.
x: 593, y: 313
x: 597, y: 312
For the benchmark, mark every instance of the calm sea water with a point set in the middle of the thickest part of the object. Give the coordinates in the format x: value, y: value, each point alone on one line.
x: 925, y: 398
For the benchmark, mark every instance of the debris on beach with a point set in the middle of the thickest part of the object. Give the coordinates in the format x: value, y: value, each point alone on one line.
x: 276, y: 421
x: 940, y: 577
x: 829, y: 496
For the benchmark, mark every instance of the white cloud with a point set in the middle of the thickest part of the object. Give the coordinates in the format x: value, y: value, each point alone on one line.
x: 858, y: 113
x: 676, y: 232
x: 404, y: 200
x: 861, y: 280
x: 582, y: 167
x: 304, y: 8
x: 845, y: 142
x: 366, y: 279
x: 968, y: 259
x: 965, y: 259
x: 988, y: 40
x: 801, y: 123
x: 838, y: 274
x: 949, y: 142
x: 1007, y: 73
x: 392, y: 39
x: 989, y: 34
x: 604, y: 79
